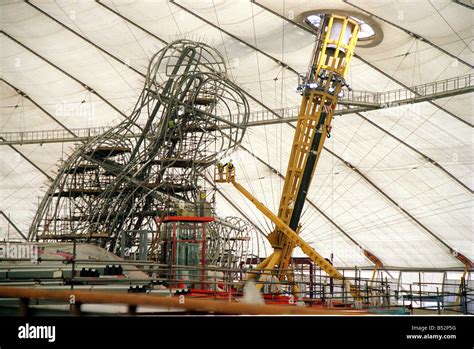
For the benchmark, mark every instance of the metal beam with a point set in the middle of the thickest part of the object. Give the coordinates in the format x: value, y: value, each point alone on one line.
x: 88, y: 88
x: 377, y: 100
x: 412, y: 34
x: 24, y: 95
x: 13, y: 224
x: 364, y: 61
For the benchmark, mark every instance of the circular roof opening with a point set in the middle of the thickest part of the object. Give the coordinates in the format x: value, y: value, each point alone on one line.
x: 366, y: 32
x: 370, y: 33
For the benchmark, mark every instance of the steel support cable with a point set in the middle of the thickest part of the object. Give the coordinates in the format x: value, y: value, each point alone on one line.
x: 100, y: 137
x: 407, y: 213
x: 162, y: 41
x: 392, y: 76
x: 432, y: 213
x: 24, y: 95
x: 392, y: 151
x: 359, y: 161
x: 127, y: 20
x: 261, y: 97
x: 258, y: 175
x: 85, y: 86
x: 23, y: 186
x: 37, y: 105
x: 435, y: 163
x: 131, y: 33
x: 416, y: 221
x: 243, y: 169
x: 413, y: 208
x: 234, y: 37
x: 370, y: 64
x: 464, y: 4
x: 252, y: 190
x: 29, y: 161
x: 218, y: 28
x: 82, y: 36
x: 412, y: 34
x: 418, y: 51
x: 8, y: 219
x: 220, y: 32
x: 14, y: 108
x: 401, y: 142
x: 350, y: 238
x: 403, y: 210
x: 310, y: 202
x: 250, y: 46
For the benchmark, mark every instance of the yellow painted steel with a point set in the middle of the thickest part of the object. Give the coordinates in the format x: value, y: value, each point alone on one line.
x: 374, y: 273
x: 463, y: 277
x: 294, y: 239
x: 291, y: 235
x: 329, y: 65
x: 266, y: 271
x: 335, y: 64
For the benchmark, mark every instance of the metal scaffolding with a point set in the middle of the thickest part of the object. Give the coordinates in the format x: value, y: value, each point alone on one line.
x: 151, y: 163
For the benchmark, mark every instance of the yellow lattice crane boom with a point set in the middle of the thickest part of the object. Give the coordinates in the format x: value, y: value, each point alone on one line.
x: 321, y: 87
x: 324, y: 80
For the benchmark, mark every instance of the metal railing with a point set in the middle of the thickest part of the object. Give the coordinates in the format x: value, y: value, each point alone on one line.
x: 227, y: 284
x: 353, y: 101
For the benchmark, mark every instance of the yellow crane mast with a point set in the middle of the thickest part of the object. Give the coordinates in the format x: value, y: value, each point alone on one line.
x: 321, y: 87
x: 323, y: 82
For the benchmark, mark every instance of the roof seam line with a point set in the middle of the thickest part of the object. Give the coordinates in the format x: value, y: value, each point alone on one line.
x: 79, y: 35
x: 312, y: 204
x: 24, y: 95
x: 88, y: 88
x: 29, y: 160
x: 412, y: 34
x: 13, y: 224
x: 284, y: 65
x: 371, y: 65
x: 426, y: 157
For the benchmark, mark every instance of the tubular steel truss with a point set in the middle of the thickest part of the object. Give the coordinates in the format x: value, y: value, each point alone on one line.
x: 125, y: 177
x: 353, y: 101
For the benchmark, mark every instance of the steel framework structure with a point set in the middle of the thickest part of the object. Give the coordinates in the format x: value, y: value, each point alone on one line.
x: 154, y: 160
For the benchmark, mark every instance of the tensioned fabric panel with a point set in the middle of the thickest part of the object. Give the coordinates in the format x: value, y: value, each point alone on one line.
x: 346, y: 197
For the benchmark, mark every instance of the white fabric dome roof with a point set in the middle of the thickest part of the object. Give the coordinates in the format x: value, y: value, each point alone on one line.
x: 395, y: 181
